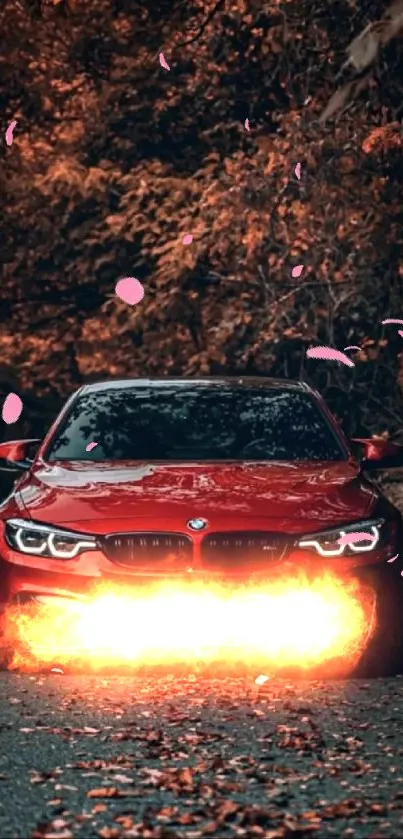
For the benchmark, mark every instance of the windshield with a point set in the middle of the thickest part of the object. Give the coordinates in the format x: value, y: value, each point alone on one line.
x: 194, y: 423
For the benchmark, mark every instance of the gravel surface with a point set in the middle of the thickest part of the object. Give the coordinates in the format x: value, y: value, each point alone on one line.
x: 184, y: 757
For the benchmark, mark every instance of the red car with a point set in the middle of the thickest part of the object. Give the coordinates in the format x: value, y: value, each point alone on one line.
x: 234, y: 478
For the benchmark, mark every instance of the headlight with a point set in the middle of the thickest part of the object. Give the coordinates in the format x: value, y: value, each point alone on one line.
x: 327, y: 543
x: 43, y: 540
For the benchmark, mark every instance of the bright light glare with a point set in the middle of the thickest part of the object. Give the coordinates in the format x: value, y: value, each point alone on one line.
x: 287, y: 623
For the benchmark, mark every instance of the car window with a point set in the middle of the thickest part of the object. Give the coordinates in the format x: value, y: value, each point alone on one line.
x: 195, y: 423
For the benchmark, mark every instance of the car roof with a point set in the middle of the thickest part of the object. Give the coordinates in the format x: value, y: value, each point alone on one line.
x: 185, y: 381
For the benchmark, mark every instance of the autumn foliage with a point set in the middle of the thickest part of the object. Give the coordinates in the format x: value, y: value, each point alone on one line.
x: 115, y: 159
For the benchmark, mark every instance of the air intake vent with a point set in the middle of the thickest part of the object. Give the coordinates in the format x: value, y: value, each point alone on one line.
x: 243, y: 547
x: 147, y: 549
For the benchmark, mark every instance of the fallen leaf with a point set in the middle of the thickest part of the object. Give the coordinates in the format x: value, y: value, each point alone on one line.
x: 103, y: 792
x: 226, y: 809
x: 185, y: 776
x: 40, y: 777
x: 123, y: 779
x: 187, y: 818
x: 125, y: 821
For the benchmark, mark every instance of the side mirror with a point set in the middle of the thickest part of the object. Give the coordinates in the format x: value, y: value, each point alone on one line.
x: 19, y: 453
x: 379, y: 454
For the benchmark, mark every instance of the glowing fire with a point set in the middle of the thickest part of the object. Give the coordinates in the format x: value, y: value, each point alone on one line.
x: 296, y: 623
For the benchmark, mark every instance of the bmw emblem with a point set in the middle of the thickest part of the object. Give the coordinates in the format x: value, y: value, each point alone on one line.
x: 197, y: 524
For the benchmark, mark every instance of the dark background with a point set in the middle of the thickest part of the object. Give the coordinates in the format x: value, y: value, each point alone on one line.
x: 114, y: 159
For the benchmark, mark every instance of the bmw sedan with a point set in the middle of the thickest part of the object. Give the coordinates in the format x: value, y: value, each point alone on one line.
x: 210, y: 518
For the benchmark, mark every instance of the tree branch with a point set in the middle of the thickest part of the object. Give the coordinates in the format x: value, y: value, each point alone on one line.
x: 362, y: 53
x: 215, y: 9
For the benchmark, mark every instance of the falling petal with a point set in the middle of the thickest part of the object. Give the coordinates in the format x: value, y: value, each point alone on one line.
x: 298, y: 171
x: 352, y: 347
x: 188, y: 239
x: 297, y: 271
x: 163, y: 62
x: 393, y: 558
x: 9, y: 132
x: 351, y: 538
x: 261, y: 680
x: 90, y: 447
x: 392, y: 320
x: 57, y: 670
x: 12, y: 407
x: 400, y: 332
x: 329, y: 354
x: 130, y: 290
x: 247, y: 125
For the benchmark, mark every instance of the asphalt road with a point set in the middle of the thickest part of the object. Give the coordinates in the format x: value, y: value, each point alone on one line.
x: 159, y: 756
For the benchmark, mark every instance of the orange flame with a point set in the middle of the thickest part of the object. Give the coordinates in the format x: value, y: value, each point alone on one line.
x: 297, y: 623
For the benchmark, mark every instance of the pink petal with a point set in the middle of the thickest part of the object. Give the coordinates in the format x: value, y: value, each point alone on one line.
x: 188, y: 239
x: 392, y: 320
x: 261, y: 680
x: 247, y: 125
x: 297, y: 271
x: 9, y: 132
x: 351, y: 347
x: 130, y: 290
x: 90, y: 447
x: 12, y: 407
x: 393, y: 558
x: 351, y: 538
x: 163, y: 61
x: 400, y: 332
x: 329, y: 354
x: 297, y: 171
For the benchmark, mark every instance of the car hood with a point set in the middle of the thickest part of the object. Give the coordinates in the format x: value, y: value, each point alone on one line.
x: 293, y: 496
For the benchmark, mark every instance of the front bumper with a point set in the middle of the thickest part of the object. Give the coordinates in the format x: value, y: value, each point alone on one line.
x: 23, y: 576
x: 20, y: 583
x: 29, y: 587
